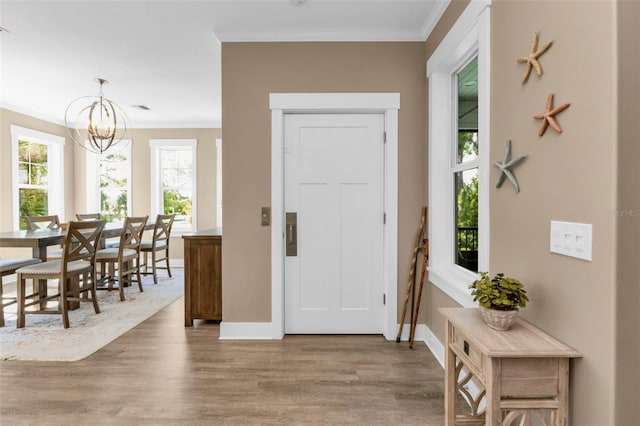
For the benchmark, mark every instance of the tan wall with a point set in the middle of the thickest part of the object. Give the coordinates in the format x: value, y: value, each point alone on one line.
x: 250, y: 71
x: 75, y: 171
x: 627, y: 408
x: 568, y: 177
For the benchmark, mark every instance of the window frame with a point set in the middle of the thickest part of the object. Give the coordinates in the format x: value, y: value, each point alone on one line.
x: 93, y: 203
x: 55, y: 170
x: 157, y: 145
x: 469, y: 37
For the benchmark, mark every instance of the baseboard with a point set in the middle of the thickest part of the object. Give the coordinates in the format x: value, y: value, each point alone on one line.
x: 434, y: 345
x: 245, y: 331
x: 176, y: 263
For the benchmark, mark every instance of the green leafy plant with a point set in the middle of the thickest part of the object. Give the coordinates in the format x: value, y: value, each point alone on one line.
x: 500, y: 293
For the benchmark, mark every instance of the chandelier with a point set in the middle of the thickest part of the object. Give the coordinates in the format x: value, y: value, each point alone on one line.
x: 96, y: 123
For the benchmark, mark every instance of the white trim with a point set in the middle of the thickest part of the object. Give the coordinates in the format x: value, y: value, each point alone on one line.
x: 433, y: 18
x: 176, y: 263
x: 469, y: 36
x: 156, y: 145
x: 55, y: 162
x: 419, y: 334
x: 435, y: 346
x: 246, y: 330
x: 318, y: 36
x: 286, y: 103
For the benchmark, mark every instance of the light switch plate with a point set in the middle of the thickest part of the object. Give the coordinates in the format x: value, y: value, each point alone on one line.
x: 571, y: 239
x: 265, y: 216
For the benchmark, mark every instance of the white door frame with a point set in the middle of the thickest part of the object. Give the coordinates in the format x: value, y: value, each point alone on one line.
x: 318, y: 103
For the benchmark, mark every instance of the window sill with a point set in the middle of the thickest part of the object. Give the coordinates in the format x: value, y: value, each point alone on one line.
x: 454, y: 282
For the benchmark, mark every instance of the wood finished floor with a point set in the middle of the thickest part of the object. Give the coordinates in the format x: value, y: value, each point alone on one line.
x: 161, y: 373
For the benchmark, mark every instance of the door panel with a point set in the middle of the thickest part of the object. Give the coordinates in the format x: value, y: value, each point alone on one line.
x: 334, y: 177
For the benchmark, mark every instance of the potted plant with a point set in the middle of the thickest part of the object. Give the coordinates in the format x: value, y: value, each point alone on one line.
x: 500, y: 298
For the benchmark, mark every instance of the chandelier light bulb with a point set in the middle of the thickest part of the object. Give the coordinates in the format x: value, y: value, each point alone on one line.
x: 102, y: 123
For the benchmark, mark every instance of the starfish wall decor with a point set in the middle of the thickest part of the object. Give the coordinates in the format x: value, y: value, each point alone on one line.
x: 548, y: 117
x: 507, y: 164
x: 532, y: 59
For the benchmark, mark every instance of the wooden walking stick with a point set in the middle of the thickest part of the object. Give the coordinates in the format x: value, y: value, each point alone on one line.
x: 414, y: 322
x: 412, y: 269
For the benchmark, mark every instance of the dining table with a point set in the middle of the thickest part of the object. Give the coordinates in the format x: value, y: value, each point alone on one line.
x: 38, y: 240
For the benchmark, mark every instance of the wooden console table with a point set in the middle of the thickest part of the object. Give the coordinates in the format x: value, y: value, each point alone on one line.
x: 202, y: 276
x: 524, y: 372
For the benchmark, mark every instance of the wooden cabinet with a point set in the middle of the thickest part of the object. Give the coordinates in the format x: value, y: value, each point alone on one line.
x: 202, y: 276
x: 524, y: 372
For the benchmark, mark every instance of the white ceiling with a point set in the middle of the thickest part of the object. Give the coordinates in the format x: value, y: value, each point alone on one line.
x: 166, y: 54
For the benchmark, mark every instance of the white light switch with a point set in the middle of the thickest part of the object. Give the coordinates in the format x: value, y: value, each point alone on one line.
x: 571, y: 239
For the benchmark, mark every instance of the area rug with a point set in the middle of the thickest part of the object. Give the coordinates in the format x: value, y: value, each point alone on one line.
x: 45, y: 339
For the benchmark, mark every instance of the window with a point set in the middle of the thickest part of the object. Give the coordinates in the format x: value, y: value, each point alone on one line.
x: 465, y: 167
x: 38, y: 187
x: 458, y: 74
x: 173, y: 181
x: 109, y: 183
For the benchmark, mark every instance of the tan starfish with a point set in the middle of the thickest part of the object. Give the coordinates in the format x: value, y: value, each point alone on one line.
x: 532, y: 59
x: 548, y: 116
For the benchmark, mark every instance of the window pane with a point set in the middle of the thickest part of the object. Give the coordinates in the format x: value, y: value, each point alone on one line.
x: 39, y: 174
x: 23, y: 151
x: 467, y: 149
x: 466, y: 208
x: 169, y: 177
x: 178, y: 203
x: 38, y: 153
x: 33, y: 202
x: 23, y: 173
x: 113, y: 204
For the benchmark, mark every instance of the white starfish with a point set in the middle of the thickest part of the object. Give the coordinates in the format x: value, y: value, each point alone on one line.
x: 506, y: 165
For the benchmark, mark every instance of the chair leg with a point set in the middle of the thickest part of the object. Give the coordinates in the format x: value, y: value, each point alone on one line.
x: 94, y: 296
x: 63, y: 304
x: 1, y: 305
x: 121, y: 280
x: 153, y: 267
x: 138, y: 274
x: 146, y: 262
x: 166, y: 255
x: 21, y: 301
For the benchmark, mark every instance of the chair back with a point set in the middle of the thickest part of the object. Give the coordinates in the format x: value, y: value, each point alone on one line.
x: 43, y: 222
x: 132, y: 231
x: 88, y: 216
x: 162, y: 228
x: 82, y: 241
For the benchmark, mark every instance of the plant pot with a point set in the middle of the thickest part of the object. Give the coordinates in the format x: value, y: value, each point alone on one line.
x: 498, y: 320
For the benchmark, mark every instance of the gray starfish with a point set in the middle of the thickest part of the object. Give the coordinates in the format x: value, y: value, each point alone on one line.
x: 506, y: 165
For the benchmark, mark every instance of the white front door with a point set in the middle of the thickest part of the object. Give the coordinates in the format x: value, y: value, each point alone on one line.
x: 334, y: 175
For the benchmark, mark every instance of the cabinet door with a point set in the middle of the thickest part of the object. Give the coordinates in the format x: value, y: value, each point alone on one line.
x: 206, y: 278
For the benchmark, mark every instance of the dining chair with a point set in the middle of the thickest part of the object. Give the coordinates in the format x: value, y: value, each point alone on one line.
x: 126, y: 256
x: 159, y: 243
x: 35, y: 223
x: 9, y: 267
x: 75, y: 273
x: 43, y: 222
x: 88, y: 216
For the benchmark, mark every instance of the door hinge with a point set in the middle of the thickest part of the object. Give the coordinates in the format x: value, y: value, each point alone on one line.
x: 384, y: 299
x: 384, y: 218
x: 384, y: 137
